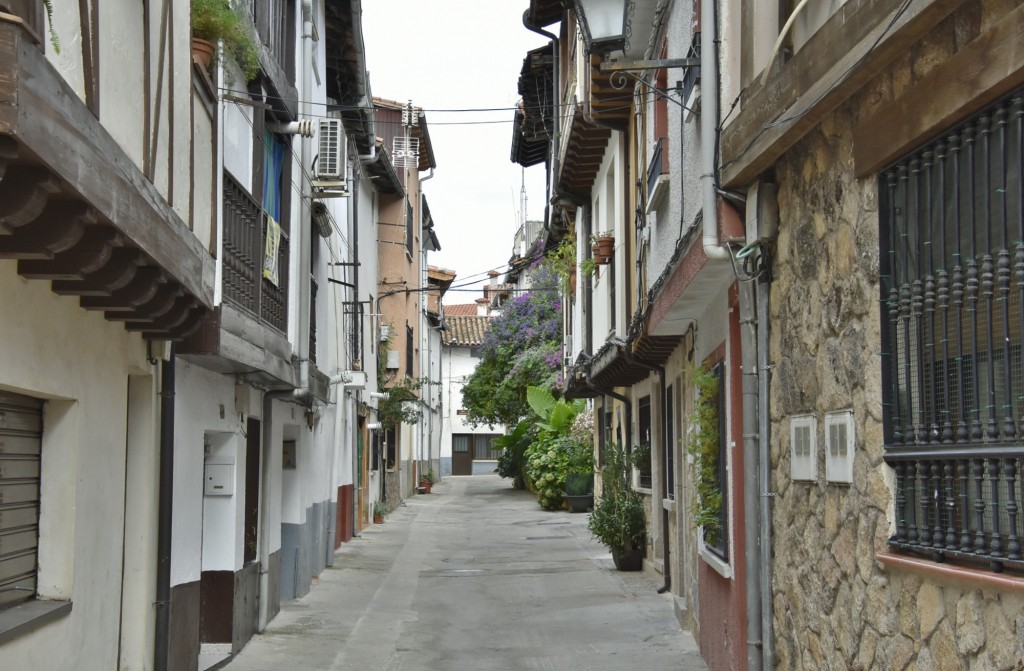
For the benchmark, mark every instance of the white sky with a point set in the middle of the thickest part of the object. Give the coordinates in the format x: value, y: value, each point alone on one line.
x: 457, y: 55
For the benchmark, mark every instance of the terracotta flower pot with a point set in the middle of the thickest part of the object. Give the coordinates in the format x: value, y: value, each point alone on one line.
x: 203, y: 51
x: 604, y: 248
x: 378, y: 519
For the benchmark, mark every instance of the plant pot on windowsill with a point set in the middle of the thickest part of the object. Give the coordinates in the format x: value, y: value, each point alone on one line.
x: 604, y: 246
x: 599, y: 258
x: 203, y: 52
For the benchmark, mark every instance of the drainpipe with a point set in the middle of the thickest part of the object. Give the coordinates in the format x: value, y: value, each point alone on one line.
x: 663, y: 402
x: 751, y: 476
x: 164, y: 515
x: 763, y: 430
x: 709, y: 130
x: 356, y: 466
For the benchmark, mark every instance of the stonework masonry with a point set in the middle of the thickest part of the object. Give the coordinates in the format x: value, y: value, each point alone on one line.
x: 835, y: 605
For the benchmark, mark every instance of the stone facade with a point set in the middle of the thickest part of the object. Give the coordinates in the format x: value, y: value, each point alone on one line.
x: 835, y: 605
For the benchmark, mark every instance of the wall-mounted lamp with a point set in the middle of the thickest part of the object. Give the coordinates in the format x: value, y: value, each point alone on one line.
x: 606, y: 28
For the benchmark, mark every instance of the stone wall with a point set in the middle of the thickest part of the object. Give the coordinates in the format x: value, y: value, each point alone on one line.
x: 835, y: 606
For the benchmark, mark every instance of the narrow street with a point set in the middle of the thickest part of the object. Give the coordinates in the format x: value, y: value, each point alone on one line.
x: 475, y: 576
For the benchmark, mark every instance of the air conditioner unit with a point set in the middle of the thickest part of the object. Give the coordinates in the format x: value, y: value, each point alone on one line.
x: 331, y: 161
x: 392, y: 361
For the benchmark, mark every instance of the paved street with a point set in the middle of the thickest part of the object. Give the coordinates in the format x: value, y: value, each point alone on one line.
x: 475, y: 576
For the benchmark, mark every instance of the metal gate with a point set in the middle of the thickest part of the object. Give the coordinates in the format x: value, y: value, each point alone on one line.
x: 21, y: 430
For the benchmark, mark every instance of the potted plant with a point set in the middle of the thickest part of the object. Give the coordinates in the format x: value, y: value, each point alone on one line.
x: 427, y: 481
x: 563, y: 260
x: 603, y: 246
x: 618, y: 518
x: 378, y: 512
x: 222, y: 21
x: 579, y: 481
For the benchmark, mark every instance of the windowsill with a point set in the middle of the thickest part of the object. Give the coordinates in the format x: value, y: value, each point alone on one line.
x: 994, y: 581
x: 646, y: 491
x: 717, y: 564
x: 28, y: 616
x: 669, y: 505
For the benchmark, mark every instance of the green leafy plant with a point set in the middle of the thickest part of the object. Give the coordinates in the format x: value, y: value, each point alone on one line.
x: 556, y: 452
x: 512, y: 462
x: 54, y: 39
x: 704, y: 444
x: 224, y: 21
x: 429, y: 476
x: 618, y: 517
x: 402, y: 405
x: 379, y: 509
x: 562, y: 259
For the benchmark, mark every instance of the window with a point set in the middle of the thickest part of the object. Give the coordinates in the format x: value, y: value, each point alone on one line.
x: 483, y: 447
x: 409, y: 349
x: 644, y: 427
x: 21, y: 435
x: 408, y: 226
x: 952, y: 270
x: 714, y: 480
x: 670, y: 441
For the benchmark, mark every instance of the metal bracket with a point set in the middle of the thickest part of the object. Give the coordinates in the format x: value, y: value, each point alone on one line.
x: 621, y: 66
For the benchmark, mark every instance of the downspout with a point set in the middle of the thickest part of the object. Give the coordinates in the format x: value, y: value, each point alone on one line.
x: 617, y: 396
x: 764, y: 431
x: 663, y: 402
x: 751, y: 476
x: 709, y: 130
x: 357, y: 468
x: 164, y: 515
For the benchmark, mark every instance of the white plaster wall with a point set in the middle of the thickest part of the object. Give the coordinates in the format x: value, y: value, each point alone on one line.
x: 123, y: 72
x: 201, y: 398
x: 676, y: 215
x: 53, y: 349
x: 204, y: 205
x: 606, y: 208
x: 457, y: 365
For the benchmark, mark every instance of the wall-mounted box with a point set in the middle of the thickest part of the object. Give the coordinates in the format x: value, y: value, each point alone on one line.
x: 840, y: 439
x: 803, y: 447
x: 219, y: 480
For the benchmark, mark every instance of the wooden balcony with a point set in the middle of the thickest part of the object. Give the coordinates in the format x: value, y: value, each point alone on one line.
x: 77, y: 211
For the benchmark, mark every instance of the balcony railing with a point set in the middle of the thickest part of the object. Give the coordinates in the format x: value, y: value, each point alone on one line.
x: 658, y: 165
x: 244, y: 244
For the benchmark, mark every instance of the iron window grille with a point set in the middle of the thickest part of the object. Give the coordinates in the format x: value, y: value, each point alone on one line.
x: 717, y: 540
x: 644, y: 426
x: 952, y: 288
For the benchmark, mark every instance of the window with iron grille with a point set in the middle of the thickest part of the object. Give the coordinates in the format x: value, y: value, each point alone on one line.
x: 717, y: 540
x: 952, y: 287
x: 644, y: 426
x: 408, y: 226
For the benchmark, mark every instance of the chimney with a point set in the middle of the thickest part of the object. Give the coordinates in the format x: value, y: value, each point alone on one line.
x: 482, y: 307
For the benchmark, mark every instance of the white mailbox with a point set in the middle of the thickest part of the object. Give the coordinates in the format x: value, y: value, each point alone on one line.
x: 219, y: 480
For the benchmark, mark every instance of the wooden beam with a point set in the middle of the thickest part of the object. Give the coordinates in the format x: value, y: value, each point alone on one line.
x: 141, y: 289
x: 58, y: 228
x: 91, y: 252
x: 116, y: 274
x: 854, y: 45
x: 988, y: 68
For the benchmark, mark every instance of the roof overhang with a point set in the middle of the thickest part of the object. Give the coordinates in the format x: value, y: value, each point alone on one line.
x: 534, y: 122
x: 348, y: 84
x: 582, y: 154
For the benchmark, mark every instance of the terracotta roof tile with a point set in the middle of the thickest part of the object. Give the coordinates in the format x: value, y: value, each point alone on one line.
x: 464, y: 310
x: 465, y: 331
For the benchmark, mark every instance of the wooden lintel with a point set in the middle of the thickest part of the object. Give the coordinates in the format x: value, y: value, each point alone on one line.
x: 851, y: 48
x: 991, y: 66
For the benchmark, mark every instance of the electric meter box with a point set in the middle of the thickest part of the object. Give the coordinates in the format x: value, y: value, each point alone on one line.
x: 219, y: 480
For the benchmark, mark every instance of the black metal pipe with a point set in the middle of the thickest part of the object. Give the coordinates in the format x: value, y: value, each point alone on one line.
x: 161, y: 652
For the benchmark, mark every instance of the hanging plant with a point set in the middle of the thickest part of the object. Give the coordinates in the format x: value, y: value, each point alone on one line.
x: 402, y: 405
x: 704, y: 444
